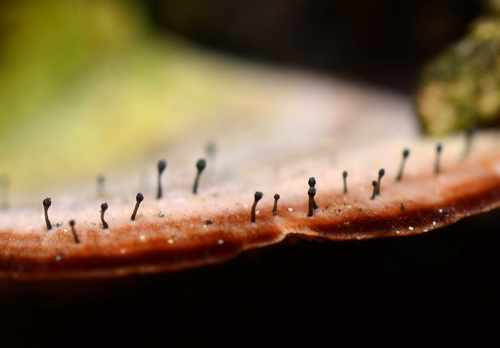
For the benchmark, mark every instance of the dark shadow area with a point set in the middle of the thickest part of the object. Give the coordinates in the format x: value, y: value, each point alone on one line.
x: 380, y: 41
x: 438, y: 288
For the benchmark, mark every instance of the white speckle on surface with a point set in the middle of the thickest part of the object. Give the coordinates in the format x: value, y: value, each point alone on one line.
x: 122, y: 251
x: 440, y: 210
x: 58, y: 257
x: 290, y: 209
x: 220, y: 241
x: 170, y: 241
x: 142, y: 237
x: 65, y: 230
x: 410, y: 228
x: 426, y: 230
x: 257, y: 212
x: 397, y: 232
x: 245, y: 206
x: 358, y: 237
x: 433, y: 223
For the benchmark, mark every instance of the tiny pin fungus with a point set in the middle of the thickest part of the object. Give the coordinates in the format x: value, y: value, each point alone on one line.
x: 139, y: 198
x: 46, y: 205
x: 162, y: 164
x: 104, y: 207
x: 200, y: 166
x: 275, y: 206
x: 257, y: 197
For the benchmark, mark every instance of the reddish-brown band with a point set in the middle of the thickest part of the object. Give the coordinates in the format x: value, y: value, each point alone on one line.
x: 158, y: 255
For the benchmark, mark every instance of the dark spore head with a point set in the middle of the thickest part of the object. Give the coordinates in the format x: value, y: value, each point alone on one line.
x: 312, y: 182
x: 439, y: 148
x: 72, y: 223
x: 139, y: 198
x: 276, y: 196
x: 381, y: 173
x: 201, y: 165
x: 104, y: 207
x: 162, y: 164
x: 210, y: 151
x: 406, y: 153
x: 258, y: 196
x: 344, y: 174
x: 46, y: 203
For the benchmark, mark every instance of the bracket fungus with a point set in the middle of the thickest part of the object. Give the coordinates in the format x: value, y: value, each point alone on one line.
x: 273, y: 130
x: 172, y: 233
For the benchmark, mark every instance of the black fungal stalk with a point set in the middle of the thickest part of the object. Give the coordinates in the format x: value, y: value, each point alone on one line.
x: 402, y: 207
x: 46, y: 205
x: 344, y: 175
x: 406, y: 153
x: 72, y: 224
x: 100, y: 185
x: 439, y: 149
x: 257, y: 197
x: 312, y: 184
x: 469, y: 133
x: 200, y: 166
x: 381, y: 173
x: 311, y: 193
x: 104, y: 207
x: 210, y: 152
x: 138, y: 199
x: 374, y: 184
x: 275, y: 206
x: 162, y: 164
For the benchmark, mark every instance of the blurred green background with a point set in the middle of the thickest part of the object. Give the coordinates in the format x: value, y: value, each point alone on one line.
x: 87, y: 85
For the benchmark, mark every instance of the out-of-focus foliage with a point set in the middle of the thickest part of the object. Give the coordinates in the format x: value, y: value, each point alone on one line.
x: 462, y: 86
x: 86, y: 86
x: 45, y: 46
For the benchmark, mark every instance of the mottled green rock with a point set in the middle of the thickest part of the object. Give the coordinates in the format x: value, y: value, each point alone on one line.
x: 462, y: 86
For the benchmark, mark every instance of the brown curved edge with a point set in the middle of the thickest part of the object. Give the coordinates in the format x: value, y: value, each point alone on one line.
x: 159, y: 257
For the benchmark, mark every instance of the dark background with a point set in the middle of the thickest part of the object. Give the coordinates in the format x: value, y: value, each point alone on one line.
x: 436, y: 289
x: 380, y: 41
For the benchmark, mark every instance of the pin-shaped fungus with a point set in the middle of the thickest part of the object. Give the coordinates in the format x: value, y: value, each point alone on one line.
x: 104, y: 207
x: 162, y: 164
x: 275, y: 206
x: 46, y: 205
x: 138, y: 199
x: 257, y: 197
x: 200, y: 166
x: 406, y: 153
